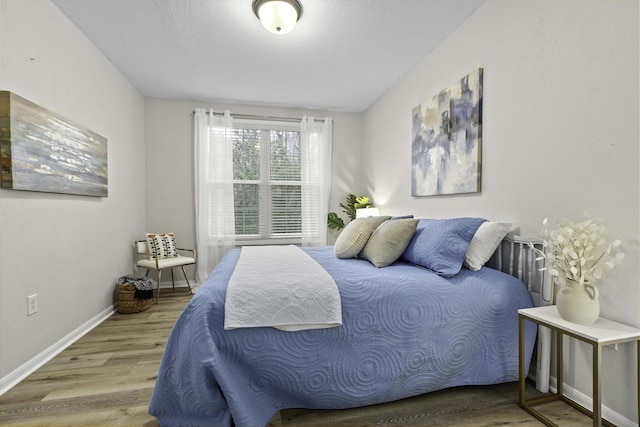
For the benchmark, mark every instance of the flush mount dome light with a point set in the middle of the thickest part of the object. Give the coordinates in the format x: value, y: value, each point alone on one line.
x: 277, y: 16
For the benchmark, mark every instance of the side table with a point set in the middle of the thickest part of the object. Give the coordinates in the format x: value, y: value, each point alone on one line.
x: 601, y: 333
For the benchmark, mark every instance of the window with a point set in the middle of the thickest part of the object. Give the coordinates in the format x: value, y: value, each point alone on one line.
x: 259, y: 181
x: 266, y: 180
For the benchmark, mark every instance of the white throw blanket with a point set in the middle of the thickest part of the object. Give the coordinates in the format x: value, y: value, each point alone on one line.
x: 281, y: 287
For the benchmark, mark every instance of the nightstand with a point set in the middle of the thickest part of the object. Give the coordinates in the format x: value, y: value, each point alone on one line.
x: 601, y: 333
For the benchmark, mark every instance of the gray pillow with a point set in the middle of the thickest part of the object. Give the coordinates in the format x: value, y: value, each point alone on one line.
x: 353, y: 238
x: 389, y: 241
x: 375, y: 221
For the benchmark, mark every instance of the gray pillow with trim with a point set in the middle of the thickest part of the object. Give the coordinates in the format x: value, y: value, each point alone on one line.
x: 376, y: 221
x: 389, y: 241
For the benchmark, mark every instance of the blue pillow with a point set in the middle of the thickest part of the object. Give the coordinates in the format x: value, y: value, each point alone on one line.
x: 441, y: 244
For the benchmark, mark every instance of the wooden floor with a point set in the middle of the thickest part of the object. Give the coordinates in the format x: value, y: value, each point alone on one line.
x: 106, y: 379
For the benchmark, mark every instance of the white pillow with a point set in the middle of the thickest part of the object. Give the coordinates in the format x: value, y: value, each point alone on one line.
x: 353, y: 238
x: 484, y: 243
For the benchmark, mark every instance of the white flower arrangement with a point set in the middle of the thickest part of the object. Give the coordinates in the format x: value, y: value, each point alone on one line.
x: 577, y: 251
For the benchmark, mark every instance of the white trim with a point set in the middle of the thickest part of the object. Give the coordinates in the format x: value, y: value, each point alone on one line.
x: 13, y: 378
x: 586, y: 401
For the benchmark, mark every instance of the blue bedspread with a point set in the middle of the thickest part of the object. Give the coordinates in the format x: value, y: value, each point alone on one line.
x: 406, y: 331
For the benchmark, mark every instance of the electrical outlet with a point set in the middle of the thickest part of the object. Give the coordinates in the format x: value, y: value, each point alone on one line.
x: 32, y: 304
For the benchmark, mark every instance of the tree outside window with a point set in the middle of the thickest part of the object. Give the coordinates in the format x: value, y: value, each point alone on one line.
x: 266, y: 183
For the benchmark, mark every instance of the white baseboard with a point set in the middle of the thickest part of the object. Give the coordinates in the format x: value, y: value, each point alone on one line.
x: 586, y: 401
x: 10, y: 380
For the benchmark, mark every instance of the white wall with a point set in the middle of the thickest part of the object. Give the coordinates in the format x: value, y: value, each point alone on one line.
x: 169, y: 139
x: 560, y: 136
x: 70, y: 250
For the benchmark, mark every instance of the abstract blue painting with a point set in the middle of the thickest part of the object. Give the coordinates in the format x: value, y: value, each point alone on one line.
x: 42, y: 151
x: 446, y: 148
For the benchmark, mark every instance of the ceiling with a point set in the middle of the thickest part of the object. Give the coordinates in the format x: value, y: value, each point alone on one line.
x: 341, y: 56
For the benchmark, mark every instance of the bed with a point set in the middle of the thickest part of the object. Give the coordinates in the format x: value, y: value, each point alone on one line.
x: 405, y: 330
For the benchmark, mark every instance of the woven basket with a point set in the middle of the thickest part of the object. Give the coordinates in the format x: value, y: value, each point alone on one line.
x: 127, y: 301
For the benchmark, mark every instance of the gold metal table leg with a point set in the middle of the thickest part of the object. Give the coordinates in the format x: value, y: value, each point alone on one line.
x: 597, y: 389
x: 638, y: 372
x: 559, y: 363
x: 521, y: 376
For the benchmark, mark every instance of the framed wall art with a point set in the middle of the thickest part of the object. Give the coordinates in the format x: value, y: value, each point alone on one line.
x: 446, y: 148
x: 42, y: 151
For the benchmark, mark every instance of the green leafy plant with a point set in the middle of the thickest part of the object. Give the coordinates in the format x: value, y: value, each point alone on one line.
x: 334, y: 222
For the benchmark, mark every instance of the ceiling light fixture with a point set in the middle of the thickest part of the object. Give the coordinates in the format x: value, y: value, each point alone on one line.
x: 277, y: 16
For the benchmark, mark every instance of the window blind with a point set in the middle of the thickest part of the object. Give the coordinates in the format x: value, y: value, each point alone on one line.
x: 266, y: 179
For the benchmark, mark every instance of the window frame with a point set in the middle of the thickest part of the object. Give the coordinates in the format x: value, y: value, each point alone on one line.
x: 265, y: 184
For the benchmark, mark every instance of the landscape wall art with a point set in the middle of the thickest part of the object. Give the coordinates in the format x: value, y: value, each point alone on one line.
x: 42, y: 151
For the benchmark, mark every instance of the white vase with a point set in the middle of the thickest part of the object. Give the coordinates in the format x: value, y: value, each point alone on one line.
x: 578, y: 303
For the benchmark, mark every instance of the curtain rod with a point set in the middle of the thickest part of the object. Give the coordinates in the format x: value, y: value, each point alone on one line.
x: 258, y: 117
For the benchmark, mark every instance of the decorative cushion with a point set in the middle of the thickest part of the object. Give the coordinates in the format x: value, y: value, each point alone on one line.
x: 353, y: 238
x: 484, y: 243
x: 441, y: 244
x: 162, y: 245
x: 375, y: 221
x: 389, y: 241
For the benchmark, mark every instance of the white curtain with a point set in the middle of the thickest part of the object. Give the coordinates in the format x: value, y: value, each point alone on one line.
x: 213, y: 148
x: 316, y: 179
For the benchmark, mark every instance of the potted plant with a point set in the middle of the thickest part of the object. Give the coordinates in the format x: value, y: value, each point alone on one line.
x: 576, y: 256
x: 334, y: 222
